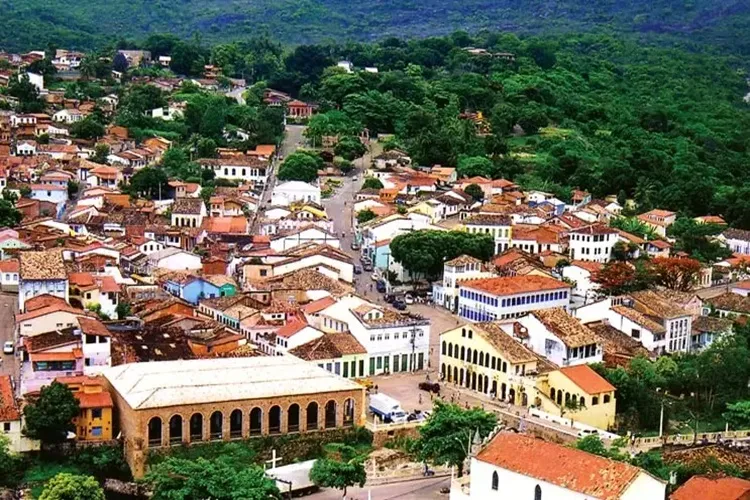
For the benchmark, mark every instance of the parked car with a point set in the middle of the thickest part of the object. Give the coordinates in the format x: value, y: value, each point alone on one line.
x: 8, y: 347
x: 355, y: 245
x: 408, y: 299
x: 389, y: 298
x: 357, y: 269
x: 367, y: 266
x: 430, y: 387
x: 399, y: 304
x: 380, y: 285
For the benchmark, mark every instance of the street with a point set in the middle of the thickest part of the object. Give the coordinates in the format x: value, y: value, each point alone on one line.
x: 417, y: 489
x: 8, y: 309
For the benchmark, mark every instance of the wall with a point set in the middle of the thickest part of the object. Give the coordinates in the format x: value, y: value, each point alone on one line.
x: 513, y: 485
x: 601, y: 415
x: 47, y: 323
x: 31, y: 288
x: 627, y: 326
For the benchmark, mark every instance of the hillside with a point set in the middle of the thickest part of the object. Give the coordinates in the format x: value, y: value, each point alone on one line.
x: 86, y: 23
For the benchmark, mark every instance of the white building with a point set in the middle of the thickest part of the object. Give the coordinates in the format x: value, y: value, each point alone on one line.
x: 174, y: 259
x: 247, y: 169
x: 286, y: 193
x: 188, y: 212
x: 294, y: 334
x: 519, y: 466
x: 491, y: 299
x: 68, y: 116
x: 463, y: 267
x: 42, y: 273
x: 561, y: 338
x: 394, y: 342
x: 737, y: 240
x: 49, y: 192
x: 592, y: 243
x: 308, y: 234
x: 498, y: 226
x: 634, y: 324
x: 96, y: 346
x: 580, y: 272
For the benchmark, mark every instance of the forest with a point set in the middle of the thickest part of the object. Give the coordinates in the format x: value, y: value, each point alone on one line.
x: 78, y: 24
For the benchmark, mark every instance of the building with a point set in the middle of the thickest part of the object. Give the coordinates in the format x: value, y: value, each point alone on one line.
x: 713, y: 488
x: 737, y: 240
x: 305, y: 235
x: 175, y: 402
x: 94, y: 422
x: 675, y: 320
x: 174, y: 259
x: 561, y: 338
x: 498, y: 226
x: 42, y: 273
x: 395, y: 342
x: 9, y: 270
x: 339, y: 353
x: 592, y: 243
x: 244, y: 168
x: 510, y: 297
x: 290, y: 192
x: 581, y: 273
x: 463, y: 267
x: 519, y: 466
x: 46, y: 313
x: 11, y: 419
x: 188, y: 212
x: 658, y: 220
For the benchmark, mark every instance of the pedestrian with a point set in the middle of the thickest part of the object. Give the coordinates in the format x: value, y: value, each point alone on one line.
x: 376, y: 388
x: 420, y: 398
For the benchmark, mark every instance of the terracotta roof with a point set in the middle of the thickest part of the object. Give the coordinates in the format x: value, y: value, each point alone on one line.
x: 488, y: 220
x: 711, y: 219
x: 540, y: 234
x: 742, y: 285
x: 659, y: 213
x: 291, y: 328
x: 8, y: 405
x: 226, y: 225
x: 188, y: 206
x: 569, y: 468
x: 587, y: 379
x: 44, y: 265
x: 653, y: 304
x: 504, y: 343
x: 595, y: 229
x: 515, y: 284
x: 660, y: 244
x: 91, y: 326
x: 94, y: 399
x: 475, y: 180
x: 631, y: 237
x: 710, y: 324
x: 639, y: 319
x: 329, y: 346
x: 614, y: 342
x: 463, y: 260
x: 44, y: 300
x: 592, y: 267
x: 731, y: 302
x: 9, y: 266
x: 570, y: 330
x: 706, y: 488
x: 318, y: 305
x: 71, y: 355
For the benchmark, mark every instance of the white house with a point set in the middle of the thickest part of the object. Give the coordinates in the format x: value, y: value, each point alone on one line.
x: 68, y: 116
x: 520, y: 466
x: 561, y: 338
x: 490, y: 299
x: 174, y: 259
x: 9, y: 275
x: 737, y: 240
x: 464, y: 267
x: 96, y: 345
x: 247, y: 169
x: 592, y: 243
x: 188, y: 212
x: 286, y: 193
x: 294, y: 334
x: 580, y: 272
x: 394, y: 342
x: 634, y: 324
x: 26, y: 148
x: 498, y: 226
x: 167, y: 113
x: 41, y: 273
x: 308, y: 234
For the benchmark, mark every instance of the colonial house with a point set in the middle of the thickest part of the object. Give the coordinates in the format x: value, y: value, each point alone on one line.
x: 47, y: 356
x: 490, y: 299
x: 94, y: 422
x: 247, y: 169
x: 294, y: 334
x: 498, y: 226
x: 592, y: 243
x: 308, y: 234
x: 290, y: 192
x: 42, y: 273
x: 457, y: 270
x: 581, y: 272
x: 675, y: 322
x: 658, y: 220
x: 336, y: 352
x: 737, y: 240
x: 536, y: 239
x: 174, y: 259
x: 44, y: 314
x: 9, y: 270
x: 188, y: 212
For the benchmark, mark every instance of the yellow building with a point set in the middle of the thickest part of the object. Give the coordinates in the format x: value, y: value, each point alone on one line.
x: 94, y: 422
x: 484, y: 358
x: 594, y: 397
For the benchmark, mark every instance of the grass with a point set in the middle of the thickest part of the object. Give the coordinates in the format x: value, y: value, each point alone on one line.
x: 41, y: 472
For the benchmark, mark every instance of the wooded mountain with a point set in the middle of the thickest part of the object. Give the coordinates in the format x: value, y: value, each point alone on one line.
x: 26, y: 24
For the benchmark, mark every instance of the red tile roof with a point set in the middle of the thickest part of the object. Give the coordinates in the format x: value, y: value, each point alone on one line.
x: 704, y: 488
x: 566, y: 467
x: 515, y: 284
x: 592, y: 267
x: 587, y: 379
x: 225, y: 225
x: 9, y: 266
x: 94, y: 399
x: 8, y: 406
x: 91, y: 326
x: 291, y: 328
x: 318, y: 305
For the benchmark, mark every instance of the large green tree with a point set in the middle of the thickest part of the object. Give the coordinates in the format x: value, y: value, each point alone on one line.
x: 49, y: 417
x: 65, y: 486
x: 300, y: 166
x: 338, y: 474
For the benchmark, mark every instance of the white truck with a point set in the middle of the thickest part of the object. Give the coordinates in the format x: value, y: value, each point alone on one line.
x: 387, y: 408
x: 293, y: 480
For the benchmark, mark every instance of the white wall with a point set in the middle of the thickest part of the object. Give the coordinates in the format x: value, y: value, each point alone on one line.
x: 627, y: 326
x: 515, y: 486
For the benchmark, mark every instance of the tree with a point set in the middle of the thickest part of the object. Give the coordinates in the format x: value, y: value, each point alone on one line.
x: 9, y: 214
x: 148, y: 182
x: 624, y: 252
x: 350, y: 148
x: 205, y: 148
x: 365, y: 215
x: 300, y: 166
x: 698, y: 240
x: 372, y: 183
x: 123, y: 309
x: 338, y: 474
x: 738, y: 414
x: 634, y: 226
x: 424, y: 252
x: 101, y: 152
x: 475, y: 192
x: 617, y: 277
x: 676, y: 273
x: 66, y: 486
x: 223, y: 478
x: 472, y: 166
x: 88, y: 128
x: 27, y: 95
x: 25, y: 191
x: 72, y: 188
x: 120, y: 63
x: 10, y: 465
x: 49, y: 418
x: 449, y: 432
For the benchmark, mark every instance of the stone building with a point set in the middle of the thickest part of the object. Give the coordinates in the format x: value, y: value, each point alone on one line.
x: 172, y: 403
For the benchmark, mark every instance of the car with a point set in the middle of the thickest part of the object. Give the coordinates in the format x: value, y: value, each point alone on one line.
x: 399, y: 304
x: 355, y: 178
x: 367, y: 266
x: 587, y: 432
x: 357, y: 269
x: 389, y: 298
x: 380, y: 285
x: 375, y: 276
x: 408, y: 299
x: 355, y: 245
x: 8, y: 347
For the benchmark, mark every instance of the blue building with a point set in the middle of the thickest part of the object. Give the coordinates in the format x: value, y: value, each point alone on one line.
x: 193, y: 288
x: 42, y: 273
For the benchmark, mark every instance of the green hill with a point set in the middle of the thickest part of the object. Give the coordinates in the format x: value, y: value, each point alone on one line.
x: 26, y: 24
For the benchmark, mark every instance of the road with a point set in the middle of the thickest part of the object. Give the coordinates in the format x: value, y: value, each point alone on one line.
x: 418, y: 489
x: 8, y: 309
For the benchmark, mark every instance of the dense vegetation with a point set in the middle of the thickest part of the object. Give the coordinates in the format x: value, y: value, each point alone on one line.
x: 26, y: 23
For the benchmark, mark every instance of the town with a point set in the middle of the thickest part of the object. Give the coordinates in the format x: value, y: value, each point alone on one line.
x: 201, y: 274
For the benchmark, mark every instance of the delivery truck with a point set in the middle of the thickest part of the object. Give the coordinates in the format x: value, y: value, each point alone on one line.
x: 387, y: 408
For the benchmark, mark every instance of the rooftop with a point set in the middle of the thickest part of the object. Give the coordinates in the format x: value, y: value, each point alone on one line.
x: 329, y: 346
x: 179, y: 383
x: 8, y: 405
x: 587, y: 379
x: 44, y: 265
x: 488, y: 220
x: 569, y: 468
x: 731, y: 302
x: 653, y: 304
x: 463, y: 260
x: 570, y: 330
x: 187, y: 206
x: 515, y: 284
x: 639, y: 319
x: 511, y: 348
x: 707, y: 488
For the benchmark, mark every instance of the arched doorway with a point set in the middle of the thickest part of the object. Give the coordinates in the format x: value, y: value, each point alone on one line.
x: 274, y: 420
x: 461, y: 380
x: 559, y: 397
x: 293, y: 418
x: 175, y: 429
x: 196, y: 427
x: 486, y: 384
x: 503, y: 388
x: 494, y: 388
x: 480, y: 387
x: 256, y: 421
x: 442, y: 371
x: 312, y: 416
x: 235, y: 424
x: 474, y: 381
x: 216, y: 425
x: 455, y: 374
x: 552, y: 393
x: 348, y: 412
x: 154, y: 432
x: 330, y: 415
x: 524, y: 399
x: 512, y: 396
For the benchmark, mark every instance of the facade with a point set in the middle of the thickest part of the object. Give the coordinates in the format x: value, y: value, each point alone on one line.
x: 174, y: 259
x: 737, y: 240
x: 579, y: 393
x: 658, y: 220
x: 337, y: 353
x: 561, y: 338
x: 242, y: 168
x: 593, y: 243
x: 490, y: 299
x: 290, y: 192
x: 461, y: 268
x: 498, y: 226
x: 302, y: 236
x: 520, y: 466
x: 94, y: 422
x: 172, y: 403
x: 188, y: 212
x: 41, y: 273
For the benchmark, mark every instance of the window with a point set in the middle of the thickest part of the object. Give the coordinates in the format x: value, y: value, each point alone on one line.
x: 96, y: 431
x: 606, y: 398
x: 263, y: 272
x: 495, y: 481
x: 6, y: 426
x: 594, y: 400
x: 538, y: 492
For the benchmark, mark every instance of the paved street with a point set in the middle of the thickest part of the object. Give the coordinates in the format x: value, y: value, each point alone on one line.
x: 8, y: 308
x: 419, y: 489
